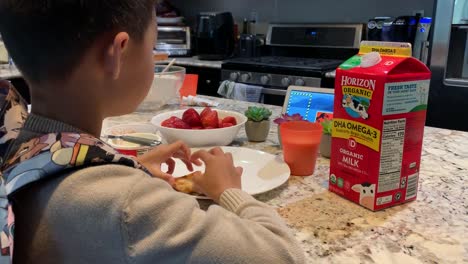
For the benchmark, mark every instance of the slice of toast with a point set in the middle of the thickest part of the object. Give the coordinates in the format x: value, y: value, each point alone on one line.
x: 185, y: 184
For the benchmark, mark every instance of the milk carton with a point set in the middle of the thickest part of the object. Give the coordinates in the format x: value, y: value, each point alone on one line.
x: 381, y: 98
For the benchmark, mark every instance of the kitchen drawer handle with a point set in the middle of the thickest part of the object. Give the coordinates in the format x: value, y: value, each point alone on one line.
x: 456, y: 82
x: 274, y: 91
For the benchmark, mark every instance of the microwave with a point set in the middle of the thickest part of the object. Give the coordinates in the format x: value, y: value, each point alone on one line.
x: 174, y: 40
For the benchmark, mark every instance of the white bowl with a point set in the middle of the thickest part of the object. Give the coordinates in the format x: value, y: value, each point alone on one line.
x: 204, y: 137
x: 165, y: 88
x: 144, y: 130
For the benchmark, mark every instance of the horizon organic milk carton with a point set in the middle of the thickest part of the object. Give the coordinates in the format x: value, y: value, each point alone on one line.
x: 380, y: 107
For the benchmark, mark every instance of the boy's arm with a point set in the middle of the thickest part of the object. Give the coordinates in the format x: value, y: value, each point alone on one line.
x: 160, y: 225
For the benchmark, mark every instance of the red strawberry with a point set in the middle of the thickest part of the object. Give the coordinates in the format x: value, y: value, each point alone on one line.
x: 230, y: 119
x: 192, y: 118
x: 180, y: 124
x: 227, y: 125
x: 205, y: 112
x: 169, y: 122
x: 210, y: 120
x: 197, y: 128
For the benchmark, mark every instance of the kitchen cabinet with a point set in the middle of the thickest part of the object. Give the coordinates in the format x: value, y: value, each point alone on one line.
x: 208, y: 79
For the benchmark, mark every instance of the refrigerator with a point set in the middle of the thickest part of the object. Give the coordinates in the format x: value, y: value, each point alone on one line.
x: 448, y: 60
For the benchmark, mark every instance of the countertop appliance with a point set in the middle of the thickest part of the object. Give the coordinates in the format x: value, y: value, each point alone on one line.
x: 215, y: 35
x: 449, y: 66
x: 299, y: 54
x: 174, y: 40
x: 374, y: 28
x: 250, y: 45
x: 421, y: 39
x: 402, y: 29
x: 411, y: 29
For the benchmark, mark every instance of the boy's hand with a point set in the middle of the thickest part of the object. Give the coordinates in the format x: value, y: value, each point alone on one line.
x: 220, y: 173
x: 164, y: 154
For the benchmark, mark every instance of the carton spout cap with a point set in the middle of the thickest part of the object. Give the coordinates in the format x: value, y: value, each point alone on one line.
x: 370, y: 59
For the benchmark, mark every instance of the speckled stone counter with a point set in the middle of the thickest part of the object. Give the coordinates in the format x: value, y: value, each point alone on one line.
x: 8, y: 72
x: 433, y: 229
x: 195, y: 62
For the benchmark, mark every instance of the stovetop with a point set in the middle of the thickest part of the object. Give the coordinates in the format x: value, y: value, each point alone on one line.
x: 290, y: 63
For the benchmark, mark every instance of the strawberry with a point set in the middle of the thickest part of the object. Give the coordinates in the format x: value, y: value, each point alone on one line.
x: 205, y: 112
x: 210, y: 119
x: 169, y: 122
x: 180, y: 124
x: 175, y: 122
x: 230, y: 119
x: 227, y: 125
x: 192, y: 118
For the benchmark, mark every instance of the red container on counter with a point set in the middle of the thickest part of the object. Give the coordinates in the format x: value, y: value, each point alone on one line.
x: 381, y: 98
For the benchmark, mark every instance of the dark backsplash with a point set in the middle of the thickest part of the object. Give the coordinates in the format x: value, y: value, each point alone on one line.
x: 306, y: 11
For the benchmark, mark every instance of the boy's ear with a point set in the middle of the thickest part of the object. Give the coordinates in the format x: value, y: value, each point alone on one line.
x: 114, y: 54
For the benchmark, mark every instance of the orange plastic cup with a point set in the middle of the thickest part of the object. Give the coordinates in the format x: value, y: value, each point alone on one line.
x: 190, y: 85
x: 301, y: 141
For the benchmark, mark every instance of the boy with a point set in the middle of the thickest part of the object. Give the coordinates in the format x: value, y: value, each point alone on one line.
x: 86, y: 60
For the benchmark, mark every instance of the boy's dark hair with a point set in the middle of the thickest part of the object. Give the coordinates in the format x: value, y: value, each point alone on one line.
x: 47, y: 38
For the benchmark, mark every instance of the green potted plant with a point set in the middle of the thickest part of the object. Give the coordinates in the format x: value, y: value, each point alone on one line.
x: 258, y: 124
x: 325, y: 144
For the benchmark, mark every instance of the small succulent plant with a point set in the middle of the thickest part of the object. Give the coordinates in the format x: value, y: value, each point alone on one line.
x: 327, y: 127
x: 257, y: 114
x: 287, y: 118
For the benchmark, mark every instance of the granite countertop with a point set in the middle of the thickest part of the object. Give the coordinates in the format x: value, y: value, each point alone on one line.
x: 8, y: 72
x: 333, y: 230
x: 195, y: 62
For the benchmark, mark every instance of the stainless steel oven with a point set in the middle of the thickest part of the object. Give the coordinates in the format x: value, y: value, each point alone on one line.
x: 299, y: 54
x: 174, y: 40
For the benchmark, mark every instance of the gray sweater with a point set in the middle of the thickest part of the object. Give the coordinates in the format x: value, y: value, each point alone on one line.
x: 117, y: 214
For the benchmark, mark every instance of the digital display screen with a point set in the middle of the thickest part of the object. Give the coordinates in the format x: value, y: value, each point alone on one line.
x: 312, y: 106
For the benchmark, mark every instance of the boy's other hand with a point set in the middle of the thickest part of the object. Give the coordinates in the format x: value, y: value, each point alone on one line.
x: 220, y: 173
x: 165, y: 154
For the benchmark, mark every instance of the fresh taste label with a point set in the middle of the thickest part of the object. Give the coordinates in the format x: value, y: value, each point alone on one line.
x: 362, y: 133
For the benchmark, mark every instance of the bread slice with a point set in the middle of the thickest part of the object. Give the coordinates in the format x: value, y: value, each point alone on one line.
x: 185, y: 184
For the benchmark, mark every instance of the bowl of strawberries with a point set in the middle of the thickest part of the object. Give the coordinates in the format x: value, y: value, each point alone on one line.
x: 200, y: 127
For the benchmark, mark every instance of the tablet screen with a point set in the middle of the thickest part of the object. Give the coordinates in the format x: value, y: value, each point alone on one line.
x: 312, y: 106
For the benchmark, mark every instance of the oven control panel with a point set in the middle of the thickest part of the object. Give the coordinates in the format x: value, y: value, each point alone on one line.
x: 271, y: 80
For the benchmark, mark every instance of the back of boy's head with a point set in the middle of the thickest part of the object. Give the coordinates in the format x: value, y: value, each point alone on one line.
x: 47, y: 38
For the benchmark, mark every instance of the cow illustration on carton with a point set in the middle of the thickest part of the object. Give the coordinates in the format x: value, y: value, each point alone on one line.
x: 366, y: 194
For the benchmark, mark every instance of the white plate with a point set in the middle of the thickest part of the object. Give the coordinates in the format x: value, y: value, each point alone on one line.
x: 263, y: 172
